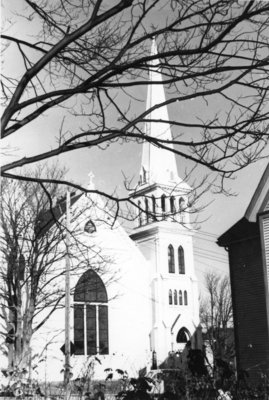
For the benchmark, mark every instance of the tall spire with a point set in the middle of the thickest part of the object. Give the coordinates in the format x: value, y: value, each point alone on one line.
x: 158, y: 165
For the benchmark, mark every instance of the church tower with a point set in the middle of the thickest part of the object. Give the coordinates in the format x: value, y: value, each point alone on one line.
x: 164, y: 233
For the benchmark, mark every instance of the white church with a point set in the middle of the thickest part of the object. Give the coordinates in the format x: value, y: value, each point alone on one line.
x: 142, y: 305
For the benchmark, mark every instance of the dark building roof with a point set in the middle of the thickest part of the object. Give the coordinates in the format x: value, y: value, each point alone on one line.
x: 242, y: 230
x: 48, y: 218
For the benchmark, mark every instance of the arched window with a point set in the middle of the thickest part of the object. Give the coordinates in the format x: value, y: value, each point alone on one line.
x: 139, y: 213
x: 183, y: 336
x: 181, y: 261
x: 180, y: 298
x: 90, y: 315
x: 163, y: 200
x: 171, y: 259
x: 153, y: 207
x: 175, y: 297
x: 147, y: 209
x: 89, y: 227
x: 181, y: 204
x: 185, y: 298
x: 170, y: 297
x: 172, y: 204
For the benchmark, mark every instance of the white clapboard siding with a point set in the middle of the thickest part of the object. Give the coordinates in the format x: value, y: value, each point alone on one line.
x: 265, y: 226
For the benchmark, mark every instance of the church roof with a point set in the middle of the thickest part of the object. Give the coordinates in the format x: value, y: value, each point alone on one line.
x: 49, y: 217
x: 158, y: 165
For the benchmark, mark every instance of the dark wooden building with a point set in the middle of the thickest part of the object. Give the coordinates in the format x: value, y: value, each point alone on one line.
x: 247, y: 243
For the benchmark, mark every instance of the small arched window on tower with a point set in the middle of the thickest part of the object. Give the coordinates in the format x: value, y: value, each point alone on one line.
x: 153, y: 200
x: 185, y: 298
x: 181, y: 260
x: 89, y: 227
x: 175, y: 297
x: 147, y: 210
x: 171, y: 259
x: 180, y: 298
x: 163, y: 200
x: 170, y: 297
x: 139, y: 213
x: 181, y: 203
x: 172, y: 204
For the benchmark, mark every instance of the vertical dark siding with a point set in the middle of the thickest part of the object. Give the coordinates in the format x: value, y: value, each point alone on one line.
x: 250, y: 315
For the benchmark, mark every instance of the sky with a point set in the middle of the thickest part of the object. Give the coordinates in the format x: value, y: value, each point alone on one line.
x: 110, y: 164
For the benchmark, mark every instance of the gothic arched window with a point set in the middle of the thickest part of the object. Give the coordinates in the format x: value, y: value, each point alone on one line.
x: 181, y: 260
x: 175, y: 297
x: 90, y: 315
x: 171, y: 259
x: 170, y: 297
x: 172, y: 204
x: 147, y: 209
x: 185, y: 298
x: 183, y: 336
x: 153, y: 207
x: 181, y: 203
x: 163, y: 201
x: 180, y: 298
x: 139, y: 213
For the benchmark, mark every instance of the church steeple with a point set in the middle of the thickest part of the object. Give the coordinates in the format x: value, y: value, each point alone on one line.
x: 160, y: 194
x: 158, y: 165
x: 162, y: 199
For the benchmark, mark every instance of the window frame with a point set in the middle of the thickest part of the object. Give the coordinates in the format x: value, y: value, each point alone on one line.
x: 181, y: 260
x: 175, y: 298
x: 172, y: 205
x: 185, y: 298
x: 90, y: 227
x: 91, y: 304
x: 153, y: 201
x: 171, y: 259
x: 180, y: 298
x: 170, y: 297
x: 147, y: 209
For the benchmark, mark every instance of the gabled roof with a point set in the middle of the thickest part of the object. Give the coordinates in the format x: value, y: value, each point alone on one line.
x: 248, y: 227
x: 243, y: 229
x: 260, y: 197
